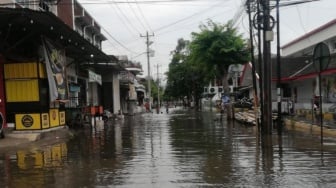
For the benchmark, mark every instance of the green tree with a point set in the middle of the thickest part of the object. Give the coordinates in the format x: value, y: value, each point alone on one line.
x: 216, y: 47
x: 184, y: 79
x: 207, y: 56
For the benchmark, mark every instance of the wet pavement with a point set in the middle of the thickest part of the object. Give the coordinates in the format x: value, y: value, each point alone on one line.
x: 181, y: 149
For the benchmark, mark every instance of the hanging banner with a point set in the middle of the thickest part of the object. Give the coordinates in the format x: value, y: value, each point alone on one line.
x: 55, y: 61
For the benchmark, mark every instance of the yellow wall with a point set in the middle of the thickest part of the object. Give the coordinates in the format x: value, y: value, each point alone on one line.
x: 21, y: 80
x: 21, y: 70
x: 22, y: 90
x: 24, y: 70
x: 42, y: 68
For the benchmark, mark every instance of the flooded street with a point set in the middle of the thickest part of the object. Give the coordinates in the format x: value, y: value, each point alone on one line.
x: 179, y: 149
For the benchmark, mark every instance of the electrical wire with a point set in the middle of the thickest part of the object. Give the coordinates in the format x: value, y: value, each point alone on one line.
x: 136, y: 16
x: 188, y: 17
x: 144, y: 18
x: 126, y: 18
x: 147, y: 2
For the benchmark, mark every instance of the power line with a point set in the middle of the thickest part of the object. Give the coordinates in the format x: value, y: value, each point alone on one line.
x: 140, y: 10
x: 186, y: 18
x: 185, y: 26
x: 147, y: 2
x: 126, y: 18
x: 136, y: 16
x: 118, y: 41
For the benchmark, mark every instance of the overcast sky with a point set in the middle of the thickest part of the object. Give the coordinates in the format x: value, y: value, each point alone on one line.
x: 123, y: 21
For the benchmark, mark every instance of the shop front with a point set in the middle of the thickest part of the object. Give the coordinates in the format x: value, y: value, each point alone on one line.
x: 36, y: 49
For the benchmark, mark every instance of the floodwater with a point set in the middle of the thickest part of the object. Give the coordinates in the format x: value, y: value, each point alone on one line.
x: 179, y: 149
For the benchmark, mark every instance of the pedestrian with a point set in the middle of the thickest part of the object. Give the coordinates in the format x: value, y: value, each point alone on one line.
x: 225, y: 102
x: 316, y: 110
x: 147, y: 106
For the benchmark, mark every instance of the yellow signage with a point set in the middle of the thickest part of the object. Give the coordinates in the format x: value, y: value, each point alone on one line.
x: 62, y: 117
x: 54, y: 117
x: 27, y: 121
x: 45, y: 120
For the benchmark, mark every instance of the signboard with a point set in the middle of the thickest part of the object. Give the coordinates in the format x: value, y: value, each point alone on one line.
x: 45, y: 120
x: 55, y: 60
x: 94, y: 77
x: 62, y: 117
x: 54, y: 117
x: 321, y: 56
x: 27, y: 121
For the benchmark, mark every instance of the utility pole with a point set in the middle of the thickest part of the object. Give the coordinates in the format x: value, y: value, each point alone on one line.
x: 267, y: 72
x: 158, y: 86
x: 148, y: 43
x: 260, y: 69
x: 279, y: 118
x: 254, y: 80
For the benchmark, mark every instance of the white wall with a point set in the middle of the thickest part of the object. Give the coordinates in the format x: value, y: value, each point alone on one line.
x: 7, y: 3
x: 310, y: 41
x: 116, y: 93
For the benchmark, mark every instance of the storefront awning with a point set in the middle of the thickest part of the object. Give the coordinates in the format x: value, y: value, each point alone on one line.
x: 25, y: 26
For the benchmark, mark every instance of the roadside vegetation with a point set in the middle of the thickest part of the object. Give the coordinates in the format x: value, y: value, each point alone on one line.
x: 204, y: 59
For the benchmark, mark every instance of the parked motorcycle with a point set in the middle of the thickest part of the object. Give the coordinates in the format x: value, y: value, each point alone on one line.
x: 107, y: 115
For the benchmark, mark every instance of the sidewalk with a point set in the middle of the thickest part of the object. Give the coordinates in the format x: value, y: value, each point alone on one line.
x: 307, y: 126
x: 21, y: 139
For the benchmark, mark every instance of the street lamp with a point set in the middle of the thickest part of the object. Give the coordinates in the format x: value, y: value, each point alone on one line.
x: 321, y: 59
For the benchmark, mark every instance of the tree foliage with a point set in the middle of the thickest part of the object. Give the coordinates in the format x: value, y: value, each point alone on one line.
x: 216, y: 47
x: 207, y: 56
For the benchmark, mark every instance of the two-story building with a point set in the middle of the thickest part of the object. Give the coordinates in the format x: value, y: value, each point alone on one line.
x: 52, y: 64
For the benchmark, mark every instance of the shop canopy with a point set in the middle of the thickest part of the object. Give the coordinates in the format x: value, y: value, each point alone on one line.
x: 23, y: 26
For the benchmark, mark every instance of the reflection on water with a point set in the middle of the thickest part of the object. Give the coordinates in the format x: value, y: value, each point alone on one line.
x: 32, y: 168
x: 179, y: 149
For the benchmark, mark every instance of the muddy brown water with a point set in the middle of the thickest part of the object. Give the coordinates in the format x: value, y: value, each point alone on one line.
x: 181, y: 149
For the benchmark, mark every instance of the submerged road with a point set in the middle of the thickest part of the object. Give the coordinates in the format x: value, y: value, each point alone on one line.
x: 183, y: 148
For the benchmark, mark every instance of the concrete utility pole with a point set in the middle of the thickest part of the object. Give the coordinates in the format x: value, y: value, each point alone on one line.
x: 148, y: 43
x: 267, y: 72
x: 254, y: 80
x: 279, y: 118
x: 158, y: 85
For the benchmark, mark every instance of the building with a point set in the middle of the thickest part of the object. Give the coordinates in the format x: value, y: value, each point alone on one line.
x: 52, y: 63
x: 299, y: 74
x: 302, y: 83
x: 132, y: 92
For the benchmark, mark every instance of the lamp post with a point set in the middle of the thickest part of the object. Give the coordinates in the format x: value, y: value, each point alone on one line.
x: 321, y: 59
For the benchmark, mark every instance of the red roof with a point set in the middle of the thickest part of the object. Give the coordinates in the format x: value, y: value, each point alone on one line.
x: 309, y: 75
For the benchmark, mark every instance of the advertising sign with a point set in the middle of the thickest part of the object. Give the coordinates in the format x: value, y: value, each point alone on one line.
x: 55, y: 62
